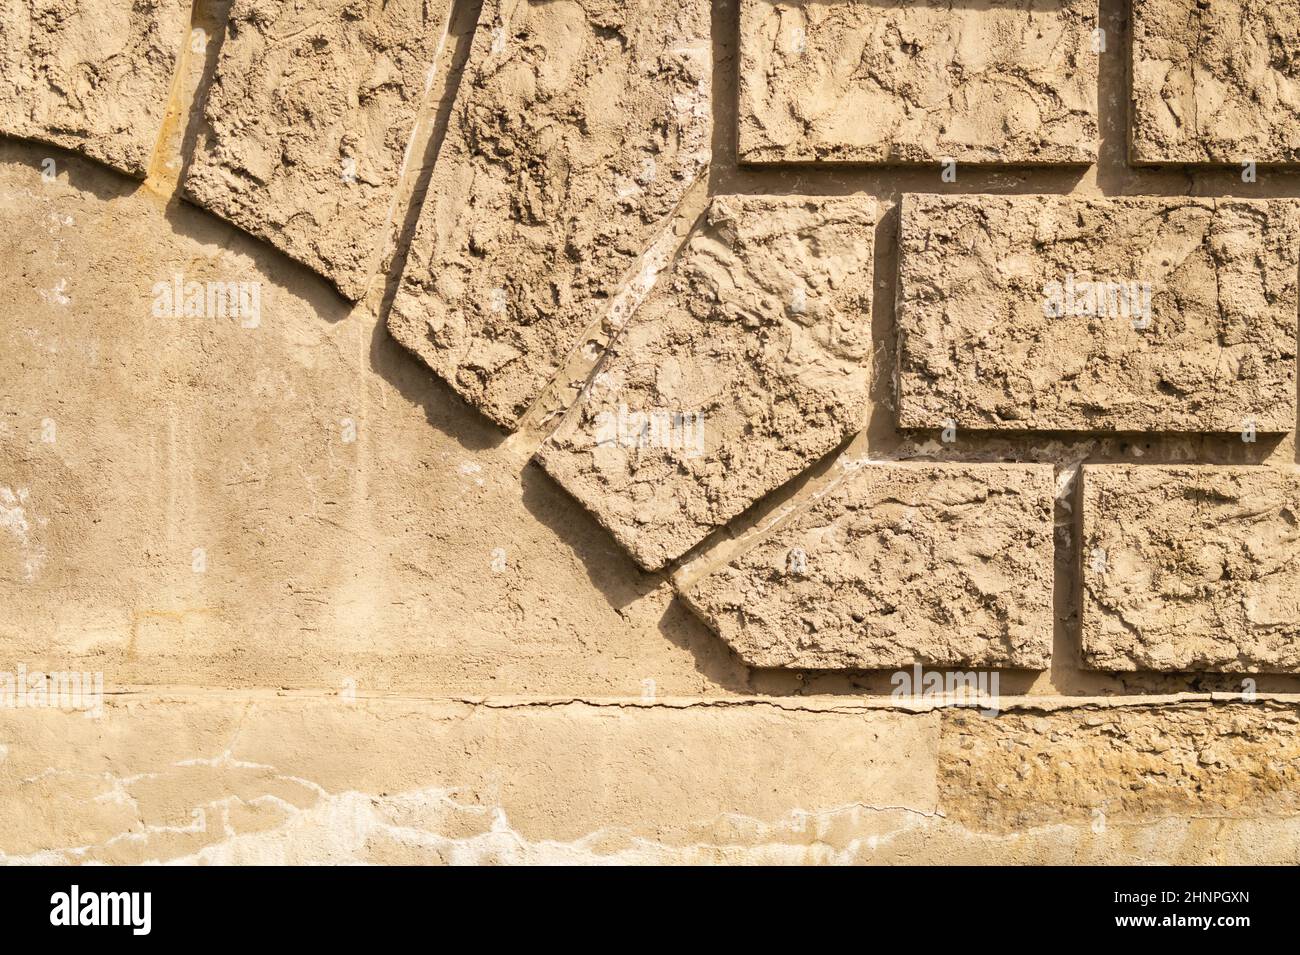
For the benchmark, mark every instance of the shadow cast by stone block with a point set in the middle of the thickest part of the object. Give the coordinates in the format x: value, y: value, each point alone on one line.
x: 443, y: 408
x: 293, y: 277
x: 80, y: 171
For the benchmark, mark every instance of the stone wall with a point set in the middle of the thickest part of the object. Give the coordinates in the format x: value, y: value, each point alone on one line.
x: 626, y: 432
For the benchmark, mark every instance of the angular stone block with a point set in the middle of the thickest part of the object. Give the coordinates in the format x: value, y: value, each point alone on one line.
x: 1191, y: 568
x: 746, y: 365
x: 896, y: 564
x: 897, y: 81
x: 307, y: 122
x: 577, y: 130
x: 91, y: 77
x: 1215, y: 82
x: 1132, y: 314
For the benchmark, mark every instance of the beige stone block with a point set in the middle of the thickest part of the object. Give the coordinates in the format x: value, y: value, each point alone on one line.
x: 1215, y: 82
x: 1008, y: 81
x: 307, y: 123
x: 91, y: 77
x: 1130, y: 314
x: 1191, y: 568
x: 745, y: 366
x: 895, y: 564
x: 1105, y: 767
x: 578, y: 129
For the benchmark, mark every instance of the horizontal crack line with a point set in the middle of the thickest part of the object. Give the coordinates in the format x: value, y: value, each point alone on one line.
x: 827, y: 705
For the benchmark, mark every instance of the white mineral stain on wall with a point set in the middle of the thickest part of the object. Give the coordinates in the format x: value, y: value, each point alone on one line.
x: 57, y: 295
x: 14, y: 519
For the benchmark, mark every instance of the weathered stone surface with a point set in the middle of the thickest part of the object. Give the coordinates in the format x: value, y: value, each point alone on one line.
x: 746, y: 365
x: 1100, y: 765
x: 93, y: 77
x: 413, y: 559
x: 578, y: 128
x: 1215, y: 82
x: 1191, y: 568
x: 249, y: 780
x: 898, y: 564
x: 214, y: 779
x: 1177, y: 314
x: 1011, y: 81
x: 337, y: 621
x: 307, y: 122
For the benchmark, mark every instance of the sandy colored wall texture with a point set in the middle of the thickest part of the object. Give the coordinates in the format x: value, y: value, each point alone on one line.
x: 580, y: 431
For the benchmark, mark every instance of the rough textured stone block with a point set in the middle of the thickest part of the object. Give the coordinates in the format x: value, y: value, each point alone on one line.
x: 898, y: 564
x: 1215, y: 82
x: 1133, y: 314
x: 1191, y: 568
x: 93, y: 77
x: 307, y: 123
x: 1027, y: 771
x: 1012, y: 81
x: 745, y: 366
x: 578, y: 128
